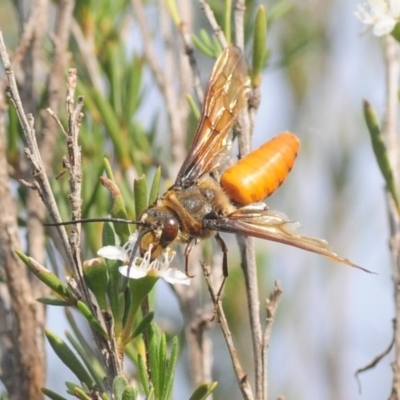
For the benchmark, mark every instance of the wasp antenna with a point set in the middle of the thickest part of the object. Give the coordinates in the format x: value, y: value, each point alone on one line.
x: 85, y: 220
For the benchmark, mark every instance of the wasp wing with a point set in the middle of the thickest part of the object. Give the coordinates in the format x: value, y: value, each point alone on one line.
x: 274, y: 226
x: 226, y: 95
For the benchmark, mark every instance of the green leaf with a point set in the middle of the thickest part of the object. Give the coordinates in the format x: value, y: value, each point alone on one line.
x: 139, y: 289
x: 47, y: 277
x: 68, y: 358
x: 143, y: 375
x: 108, y: 235
x: 119, y: 385
x: 259, y: 46
x: 81, y: 394
x: 396, y: 32
x: 170, y: 370
x: 113, y: 127
x: 52, y: 301
x: 108, y: 169
x: 279, y: 10
x: 380, y: 150
x: 84, y: 309
x: 95, y: 274
x: 52, y: 395
x: 193, y: 106
x: 77, y: 331
x: 129, y: 393
x: 115, y: 294
x: 203, y: 391
x: 140, y: 189
x: 200, y: 393
x: 116, y: 61
x: 151, y: 395
x: 207, y: 46
x: 162, y: 364
x: 118, y: 209
x: 142, y: 325
x: 155, y: 186
x: 174, y: 13
x: 91, y: 362
x: 154, y: 360
x: 134, y: 77
x: 227, y: 20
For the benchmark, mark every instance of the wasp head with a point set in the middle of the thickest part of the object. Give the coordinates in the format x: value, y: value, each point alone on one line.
x: 160, y: 228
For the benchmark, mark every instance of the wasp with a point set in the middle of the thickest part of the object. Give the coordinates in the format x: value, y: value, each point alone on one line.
x: 199, y: 205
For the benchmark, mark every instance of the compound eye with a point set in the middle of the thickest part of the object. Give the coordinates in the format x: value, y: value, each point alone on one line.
x: 170, y: 231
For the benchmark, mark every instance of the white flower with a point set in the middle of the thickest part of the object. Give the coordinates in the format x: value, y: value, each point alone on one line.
x: 142, y: 266
x: 383, y: 15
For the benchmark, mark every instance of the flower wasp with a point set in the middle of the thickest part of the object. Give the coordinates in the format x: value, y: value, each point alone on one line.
x: 198, y: 205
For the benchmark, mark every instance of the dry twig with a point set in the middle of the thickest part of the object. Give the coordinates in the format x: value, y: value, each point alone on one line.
x: 391, y: 136
x: 218, y: 32
x: 223, y: 323
x: 41, y: 184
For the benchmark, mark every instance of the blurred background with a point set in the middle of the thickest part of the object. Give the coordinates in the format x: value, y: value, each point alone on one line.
x: 332, y: 319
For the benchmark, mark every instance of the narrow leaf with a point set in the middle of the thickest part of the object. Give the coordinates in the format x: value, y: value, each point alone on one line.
x: 162, y: 364
x: 203, y: 391
x: 139, y: 289
x: 142, y: 325
x: 153, y: 360
x: 193, y: 106
x: 84, y: 309
x: 81, y: 394
x: 140, y: 189
x: 259, y: 46
x: 119, y: 385
x: 118, y: 209
x: 155, y: 186
x: 129, y: 393
x: 95, y: 274
x: 51, y: 301
x: 52, y: 395
x: 92, y: 364
x: 47, y: 277
x: 143, y: 375
x: 173, y: 11
x: 170, y: 370
x: 380, y: 150
x: 396, y: 32
x: 227, y: 20
x: 67, y: 356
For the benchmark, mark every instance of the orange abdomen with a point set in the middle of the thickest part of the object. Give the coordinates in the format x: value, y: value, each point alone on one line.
x: 260, y: 173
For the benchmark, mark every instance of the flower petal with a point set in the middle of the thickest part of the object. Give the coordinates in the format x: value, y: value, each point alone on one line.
x: 134, y: 272
x: 394, y: 6
x: 112, y: 253
x: 384, y: 26
x: 173, y: 276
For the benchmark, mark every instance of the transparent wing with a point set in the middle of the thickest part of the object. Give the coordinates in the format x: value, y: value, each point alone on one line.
x: 262, y: 223
x: 226, y: 95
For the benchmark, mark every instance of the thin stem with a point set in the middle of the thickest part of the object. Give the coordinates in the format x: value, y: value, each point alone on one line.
x: 246, y: 244
x: 218, y: 32
x: 240, y: 8
x: 42, y: 186
x: 223, y: 323
x: 227, y: 20
x: 390, y: 134
x: 271, y: 306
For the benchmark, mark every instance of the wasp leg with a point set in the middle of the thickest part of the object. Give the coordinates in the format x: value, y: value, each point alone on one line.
x: 188, y: 249
x: 224, y: 250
